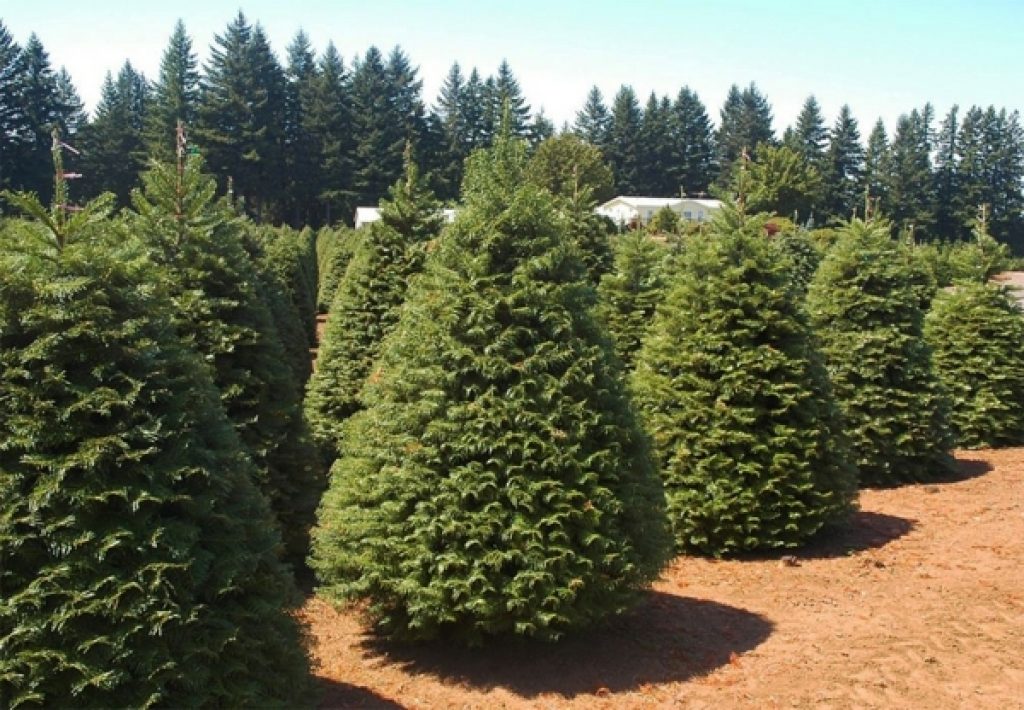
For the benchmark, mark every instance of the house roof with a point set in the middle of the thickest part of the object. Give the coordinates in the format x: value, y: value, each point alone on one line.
x: 366, y: 215
x: 636, y: 201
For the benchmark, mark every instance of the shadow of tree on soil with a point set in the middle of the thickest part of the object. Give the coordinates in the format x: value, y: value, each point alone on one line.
x: 865, y: 530
x: 664, y: 639
x: 965, y: 469
x: 344, y: 695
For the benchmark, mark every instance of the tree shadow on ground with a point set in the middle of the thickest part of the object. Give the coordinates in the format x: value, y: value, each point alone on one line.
x: 865, y: 530
x: 344, y: 695
x: 965, y: 469
x: 664, y: 639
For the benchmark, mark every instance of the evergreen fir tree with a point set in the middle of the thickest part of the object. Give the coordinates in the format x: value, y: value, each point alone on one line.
x: 866, y: 304
x: 506, y: 89
x: 478, y: 111
x: 692, y: 166
x: 241, y: 115
x: 40, y: 111
x: 779, y: 181
x: 975, y: 331
x: 876, y: 164
x: 910, y: 195
x: 593, y: 121
x: 200, y: 244
x: 623, y: 148
x: 378, y: 132
x: 175, y: 95
x: 405, y: 98
x: 71, y: 116
x: 139, y: 561
x: 843, y: 169
x: 629, y: 295
x: 575, y: 172
x: 746, y: 122
x: 810, y: 137
x: 113, y: 143
x: 655, y: 149
x: 328, y: 121
x: 738, y: 401
x: 497, y: 482
x: 13, y: 121
x: 342, y: 244
x: 302, y: 154
x: 366, y: 305
x: 457, y: 141
x: 947, y: 224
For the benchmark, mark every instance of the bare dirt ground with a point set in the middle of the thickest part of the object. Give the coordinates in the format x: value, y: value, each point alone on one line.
x: 919, y: 604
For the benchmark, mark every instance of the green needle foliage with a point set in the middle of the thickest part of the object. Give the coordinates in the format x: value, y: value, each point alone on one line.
x: 629, y: 295
x: 335, y: 248
x: 138, y: 563
x: 366, y: 306
x: 865, y: 303
x: 200, y: 245
x: 497, y: 482
x: 976, y: 332
x: 733, y: 391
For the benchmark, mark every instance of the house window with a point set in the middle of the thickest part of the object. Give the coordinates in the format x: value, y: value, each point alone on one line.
x: 700, y: 216
x: 688, y: 214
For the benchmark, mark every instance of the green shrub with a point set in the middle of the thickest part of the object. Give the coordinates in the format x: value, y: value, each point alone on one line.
x: 866, y: 305
x: 629, y: 295
x: 734, y: 394
x: 200, y: 246
x: 366, y: 306
x: 138, y: 562
x: 497, y: 482
x: 976, y: 332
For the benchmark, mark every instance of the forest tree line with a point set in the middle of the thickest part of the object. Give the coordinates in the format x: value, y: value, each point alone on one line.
x: 306, y: 140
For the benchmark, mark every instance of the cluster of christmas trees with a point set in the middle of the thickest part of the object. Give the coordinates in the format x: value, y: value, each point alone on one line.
x: 307, y: 139
x: 522, y: 424
x: 156, y: 476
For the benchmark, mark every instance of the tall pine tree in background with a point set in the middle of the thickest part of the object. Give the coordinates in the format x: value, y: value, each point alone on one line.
x: 457, y: 140
x: 746, y: 122
x: 947, y: 226
x: 40, y: 111
x: 302, y: 156
x: 114, y: 143
x: 593, y: 121
x: 366, y: 306
x: 910, y: 193
x: 809, y: 138
x: 655, y: 149
x: 378, y: 132
x: 692, y: 166
x: 506, y: 90
x: 876, y: 164
x: 241, y: 115
x: 14, y: 129
x: 175, y: 96
x: 843, y: 169
x: 736, y: 397
x: 328, y: 122
x: 623, y: 148
x: 497, y: 482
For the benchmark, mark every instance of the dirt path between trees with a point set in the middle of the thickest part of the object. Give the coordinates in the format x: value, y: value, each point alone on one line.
x: 919, y: 604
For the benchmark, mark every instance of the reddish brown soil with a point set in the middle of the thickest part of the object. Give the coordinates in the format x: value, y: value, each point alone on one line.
x: 920, y: 603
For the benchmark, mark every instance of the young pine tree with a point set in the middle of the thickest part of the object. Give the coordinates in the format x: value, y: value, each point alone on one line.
x: 497, y: 482
x: 138, y: 562
x: 976, y: 331
x: 629, y: 295
x: 199, y: 244
x: 866, y: 305
x: 366, y: 306
x: 736, y: 397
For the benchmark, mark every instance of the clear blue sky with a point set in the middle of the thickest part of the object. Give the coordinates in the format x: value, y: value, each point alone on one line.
x: 882, y: 58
